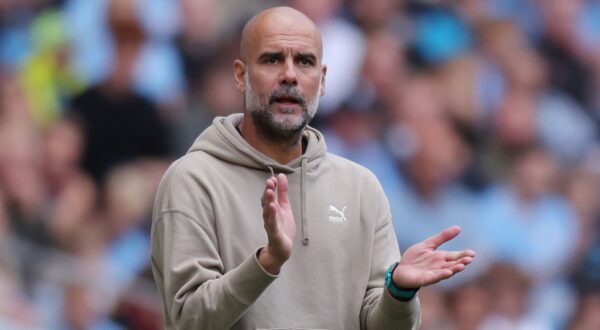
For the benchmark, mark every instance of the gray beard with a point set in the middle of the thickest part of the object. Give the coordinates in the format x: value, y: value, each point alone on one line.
x: 269, y: 127
x: 265, y: 121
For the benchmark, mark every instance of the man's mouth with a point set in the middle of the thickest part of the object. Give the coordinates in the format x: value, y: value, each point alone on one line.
x: 286, y: 100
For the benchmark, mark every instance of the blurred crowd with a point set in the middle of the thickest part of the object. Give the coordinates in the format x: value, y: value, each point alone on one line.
x: 480, y: 113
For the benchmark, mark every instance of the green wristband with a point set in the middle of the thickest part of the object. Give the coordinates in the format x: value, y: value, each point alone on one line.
x: 396, y: 292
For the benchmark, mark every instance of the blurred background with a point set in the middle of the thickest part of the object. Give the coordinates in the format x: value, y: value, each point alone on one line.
x: 481, y: 113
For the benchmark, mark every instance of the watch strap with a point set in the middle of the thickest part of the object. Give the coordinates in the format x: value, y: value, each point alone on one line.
x: 396, y: 292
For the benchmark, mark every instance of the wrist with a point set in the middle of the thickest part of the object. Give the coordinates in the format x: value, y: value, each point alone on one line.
x: 399, y: 293
x: 268, y: 262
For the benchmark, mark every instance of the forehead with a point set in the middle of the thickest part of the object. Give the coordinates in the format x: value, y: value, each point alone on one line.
x: 287, y: 42
x: 285, y: 33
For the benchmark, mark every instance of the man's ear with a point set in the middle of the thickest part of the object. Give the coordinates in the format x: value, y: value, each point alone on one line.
x: 239, y: 69
x: 323, y: 74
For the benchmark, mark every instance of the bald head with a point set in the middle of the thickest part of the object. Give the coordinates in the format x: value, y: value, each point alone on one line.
x: 281, y: 74
x: 285, y: 22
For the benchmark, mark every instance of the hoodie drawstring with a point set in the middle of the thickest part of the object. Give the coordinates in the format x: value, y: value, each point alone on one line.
x: 273, y: 175
x: 304, y: 222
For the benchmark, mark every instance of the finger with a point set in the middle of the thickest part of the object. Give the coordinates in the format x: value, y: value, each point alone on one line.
x: 267, y: 197
x: 270, y: 220
x: 455, y: 255
x: 442, y: 274
x: 274, y: 225
x: 462, y: 261
x: 282, y: 189
x: 266, y: 213
x: 272, y: 183
x: 457, y: 268
x: 444, y: 236
x: 268, y: 185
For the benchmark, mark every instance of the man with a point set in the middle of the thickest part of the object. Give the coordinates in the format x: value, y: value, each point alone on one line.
x: 313, y: 253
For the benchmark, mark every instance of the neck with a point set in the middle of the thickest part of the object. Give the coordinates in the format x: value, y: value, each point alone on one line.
x: 282, y: 151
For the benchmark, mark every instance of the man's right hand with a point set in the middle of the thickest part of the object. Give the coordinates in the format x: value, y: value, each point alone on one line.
x: 279, y: 224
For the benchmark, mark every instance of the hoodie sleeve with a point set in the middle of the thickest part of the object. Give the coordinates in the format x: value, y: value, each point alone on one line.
x: 379, y: 309
x: 197, y: 293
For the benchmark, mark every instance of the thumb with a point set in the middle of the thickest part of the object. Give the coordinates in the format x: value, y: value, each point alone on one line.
x: 442, y: 237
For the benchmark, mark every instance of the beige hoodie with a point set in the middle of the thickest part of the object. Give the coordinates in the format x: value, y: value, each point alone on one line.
x: 207, y: 228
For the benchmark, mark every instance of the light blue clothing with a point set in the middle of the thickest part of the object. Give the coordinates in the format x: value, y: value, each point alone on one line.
x: 122, y: 262
x: 127, y: 256
x: 158, y: 72
x: 14, y: 46
x: 91, y: 46
x: 341, y: 38
x: 490, y: 89
x: 441, y: 36
x: 538, y: 237
x: 554, y: 301
x: 525, y: 13
x: 564, y: 127
x: 588, y: 26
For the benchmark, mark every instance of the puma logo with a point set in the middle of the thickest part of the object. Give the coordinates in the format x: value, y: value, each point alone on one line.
x: 339, y: 216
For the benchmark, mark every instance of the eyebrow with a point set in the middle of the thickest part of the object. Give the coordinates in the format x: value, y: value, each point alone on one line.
x: 307, y: 56
x: 269, y: 55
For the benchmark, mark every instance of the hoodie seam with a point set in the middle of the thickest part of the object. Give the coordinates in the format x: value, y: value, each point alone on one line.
x: 188, y: 216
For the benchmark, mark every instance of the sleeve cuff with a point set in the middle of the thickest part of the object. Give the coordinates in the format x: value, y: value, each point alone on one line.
x: 394, y: 309
x: 247, y: 281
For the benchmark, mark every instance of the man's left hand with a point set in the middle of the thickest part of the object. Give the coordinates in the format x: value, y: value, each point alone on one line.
x: 422, y: 264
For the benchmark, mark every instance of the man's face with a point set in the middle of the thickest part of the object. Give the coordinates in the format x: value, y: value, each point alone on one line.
x: 283, y: 78
x: 276, y: 114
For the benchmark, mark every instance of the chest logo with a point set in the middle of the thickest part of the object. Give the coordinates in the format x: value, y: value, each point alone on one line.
x: 335, y: 215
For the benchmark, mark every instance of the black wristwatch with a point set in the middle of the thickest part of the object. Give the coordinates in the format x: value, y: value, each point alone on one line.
x: 396, y: 292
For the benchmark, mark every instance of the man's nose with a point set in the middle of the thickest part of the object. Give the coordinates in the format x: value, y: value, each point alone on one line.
x: 289, y: 75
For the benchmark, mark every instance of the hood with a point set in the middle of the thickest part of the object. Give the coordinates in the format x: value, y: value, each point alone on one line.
x: 223, y: 141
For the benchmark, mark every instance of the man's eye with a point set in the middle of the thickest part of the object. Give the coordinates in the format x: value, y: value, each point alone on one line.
x: 306, y: 62
x: 272, y: 60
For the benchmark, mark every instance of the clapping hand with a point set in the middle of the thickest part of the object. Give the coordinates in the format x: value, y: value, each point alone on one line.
x: 279, y: 224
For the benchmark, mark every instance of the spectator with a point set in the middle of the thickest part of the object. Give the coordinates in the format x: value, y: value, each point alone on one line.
x: 470, y: 304
x: 510, y: 311
x: 119, y: 124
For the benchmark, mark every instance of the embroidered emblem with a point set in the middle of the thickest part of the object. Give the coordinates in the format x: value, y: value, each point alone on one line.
x: 338, y: 216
